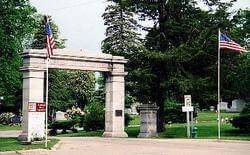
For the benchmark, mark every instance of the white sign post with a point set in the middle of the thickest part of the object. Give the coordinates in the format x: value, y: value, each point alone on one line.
x: 188, y: 108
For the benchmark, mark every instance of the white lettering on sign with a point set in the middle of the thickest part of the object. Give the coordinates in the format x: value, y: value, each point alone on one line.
x: 187, y: 109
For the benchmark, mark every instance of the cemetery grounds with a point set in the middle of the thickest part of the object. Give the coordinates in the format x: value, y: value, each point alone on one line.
x: 206, y: 124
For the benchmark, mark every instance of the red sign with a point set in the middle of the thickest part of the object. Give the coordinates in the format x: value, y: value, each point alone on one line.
x: 37, y: 107
x: 40, y: 107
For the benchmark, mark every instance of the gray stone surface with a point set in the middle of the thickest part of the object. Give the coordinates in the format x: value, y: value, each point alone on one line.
x: 237, y: 106
x: 34, y: 66
x: 60, y: 116
x: 148, y: 114
x: 224, y: 106
x: 121, y: 146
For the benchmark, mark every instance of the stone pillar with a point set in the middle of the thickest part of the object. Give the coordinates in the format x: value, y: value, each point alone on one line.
x: 33, y: 124
x: 148, y: 127
x: 114, y: 108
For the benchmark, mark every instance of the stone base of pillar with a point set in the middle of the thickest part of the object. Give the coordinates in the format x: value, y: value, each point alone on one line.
x: 147, y: 135
x: 23, y: 137
x: 148, y: 127
x: 115, y: 134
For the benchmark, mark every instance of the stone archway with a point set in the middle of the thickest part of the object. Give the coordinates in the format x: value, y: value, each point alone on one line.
x: 34, y: 67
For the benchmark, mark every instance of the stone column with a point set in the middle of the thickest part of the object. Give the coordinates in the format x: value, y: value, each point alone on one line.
x: 33, y: 91
x: 148, y: 127
x: 114, y: 108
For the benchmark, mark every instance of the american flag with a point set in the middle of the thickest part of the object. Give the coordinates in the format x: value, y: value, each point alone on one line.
x: 227, y: 43
x: 50, y: 44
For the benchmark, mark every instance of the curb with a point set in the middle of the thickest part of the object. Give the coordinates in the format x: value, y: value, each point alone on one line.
x: 22, y: 151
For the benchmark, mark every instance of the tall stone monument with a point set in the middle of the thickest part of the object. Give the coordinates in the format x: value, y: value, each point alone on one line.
x: 148, y: 115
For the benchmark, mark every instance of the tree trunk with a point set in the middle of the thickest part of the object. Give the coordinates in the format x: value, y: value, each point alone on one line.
x: 160, y: 117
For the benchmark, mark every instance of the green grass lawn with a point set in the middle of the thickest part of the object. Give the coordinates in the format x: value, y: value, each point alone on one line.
x: 10, y: 127
x: 82, y: 133
x: 131, y: 131
x: 12, y: 144
x: 207, y: 128
x: 206, y: 124
x: 135, y: 120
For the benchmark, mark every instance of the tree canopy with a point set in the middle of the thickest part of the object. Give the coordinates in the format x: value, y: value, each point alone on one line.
x: 17, y: 23
x: 179, y: 55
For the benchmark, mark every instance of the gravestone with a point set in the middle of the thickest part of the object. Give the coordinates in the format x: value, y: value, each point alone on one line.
x: 223, y: 106
x: 211, y: 108
x: 237, y: 106
x: 134, y: 109
x: 60, y: 116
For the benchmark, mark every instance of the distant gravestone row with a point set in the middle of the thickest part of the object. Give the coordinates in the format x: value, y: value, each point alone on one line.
x: 237, y: 106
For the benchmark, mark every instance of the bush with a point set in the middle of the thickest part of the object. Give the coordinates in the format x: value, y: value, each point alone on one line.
x: 5, y: 118
x: 94, y: 117
x: 62, y: 125
x: 243, y: 121
x: 128, y: 118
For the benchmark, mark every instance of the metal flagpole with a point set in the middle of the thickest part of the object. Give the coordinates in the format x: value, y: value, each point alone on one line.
x: 47, y: 93
x: 218, y: 105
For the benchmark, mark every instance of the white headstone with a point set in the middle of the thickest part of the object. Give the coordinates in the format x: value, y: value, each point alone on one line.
x: 223, y: 106
x: 60, y: 116
x: 237, y: 106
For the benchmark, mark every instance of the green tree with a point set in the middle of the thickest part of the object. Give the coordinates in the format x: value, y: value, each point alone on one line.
x: 99, y: 94
x: 122, y: 38
x: 121, y: 35
x: 237, y: 69
x: 82, y: 86
x: 39, y: 39
x: 16, y: 25
x: 181, y: 52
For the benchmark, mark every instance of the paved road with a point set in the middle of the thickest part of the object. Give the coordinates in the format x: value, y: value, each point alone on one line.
x: 121, y: 146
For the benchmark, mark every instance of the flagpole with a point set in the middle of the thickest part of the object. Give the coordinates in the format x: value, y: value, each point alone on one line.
x: 218, y: 105
x: 47, y: 94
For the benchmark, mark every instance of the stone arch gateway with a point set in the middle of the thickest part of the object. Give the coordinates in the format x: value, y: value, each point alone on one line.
x: 34, y: 67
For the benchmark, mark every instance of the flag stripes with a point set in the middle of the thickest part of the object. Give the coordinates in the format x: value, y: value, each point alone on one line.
x: 226, y: 43
x: 50, y: 44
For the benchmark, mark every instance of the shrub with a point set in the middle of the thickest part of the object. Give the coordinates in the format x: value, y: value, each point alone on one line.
x: 63, y: 125
x: 94, y: 117
x: 5, y: 118
x: 128, y: 118
x: 243, y: 121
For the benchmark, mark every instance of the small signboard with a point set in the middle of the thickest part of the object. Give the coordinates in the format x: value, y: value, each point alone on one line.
x: 36, y: 107
x: 32, y: 107
x: 40, y: 107
x: 188, y: 101
x: 187, y: 109
x: 118, y: 113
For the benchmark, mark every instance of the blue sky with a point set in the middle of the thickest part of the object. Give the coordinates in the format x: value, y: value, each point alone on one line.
x: 80, y: 21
